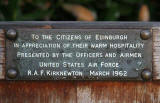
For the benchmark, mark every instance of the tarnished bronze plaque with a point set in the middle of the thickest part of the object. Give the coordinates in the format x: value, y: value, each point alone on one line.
x: 78, y: 54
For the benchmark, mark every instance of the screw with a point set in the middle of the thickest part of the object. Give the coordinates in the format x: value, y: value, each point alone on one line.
x: 11, y: 34
x: 12, y: 73
x: 146, y: 74
x: 146, y: 34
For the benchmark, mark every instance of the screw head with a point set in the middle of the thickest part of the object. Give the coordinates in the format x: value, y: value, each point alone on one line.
x: 145, y: 34
x: 12, y: 73
x: 11, y: 34
x: 146, y: 74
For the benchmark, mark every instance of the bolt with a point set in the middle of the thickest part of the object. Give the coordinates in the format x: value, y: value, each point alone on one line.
x: 145, y: 34
x: 12, y: 73
x: 146, y: 74
x: 11, y: 34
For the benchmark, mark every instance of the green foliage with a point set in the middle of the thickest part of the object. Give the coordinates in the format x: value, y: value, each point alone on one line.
x: 106, y: 10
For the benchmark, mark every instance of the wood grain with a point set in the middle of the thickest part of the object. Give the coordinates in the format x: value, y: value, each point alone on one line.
x: 37, y: 92
x: 156, y: 53
x: 2, y: 54
x: 79, y: 92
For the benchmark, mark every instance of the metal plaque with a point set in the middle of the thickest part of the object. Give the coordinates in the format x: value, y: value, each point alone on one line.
x: 78, y: 54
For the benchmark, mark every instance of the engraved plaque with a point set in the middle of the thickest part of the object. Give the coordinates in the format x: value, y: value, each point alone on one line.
x: 78, y: 54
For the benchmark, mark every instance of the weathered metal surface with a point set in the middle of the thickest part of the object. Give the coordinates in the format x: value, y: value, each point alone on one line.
x: 129, y: 68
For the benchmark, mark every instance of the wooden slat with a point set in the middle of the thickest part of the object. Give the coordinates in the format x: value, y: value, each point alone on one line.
x: 37, y: 92
x: 156, y: 53
x: 116, y: 92
x: 153, y: 92
x: 79, y: 92
x: 84, y: 92
x: 2, y: 54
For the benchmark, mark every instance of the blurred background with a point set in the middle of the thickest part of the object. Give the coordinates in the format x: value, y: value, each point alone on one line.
x: 80, y: 10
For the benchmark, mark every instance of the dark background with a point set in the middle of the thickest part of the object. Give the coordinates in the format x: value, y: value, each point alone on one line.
x: 87, y: 10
